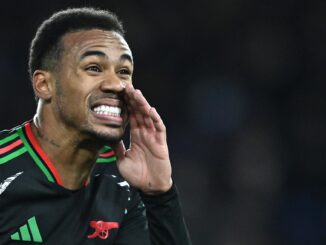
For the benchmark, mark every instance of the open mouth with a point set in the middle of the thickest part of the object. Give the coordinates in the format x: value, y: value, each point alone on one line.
x: 107, y: 110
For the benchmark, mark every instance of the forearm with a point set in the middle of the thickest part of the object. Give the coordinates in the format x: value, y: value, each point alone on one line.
x: 165, y: 219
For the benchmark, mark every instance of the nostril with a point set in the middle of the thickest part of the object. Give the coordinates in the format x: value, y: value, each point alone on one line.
x: 113, y: 85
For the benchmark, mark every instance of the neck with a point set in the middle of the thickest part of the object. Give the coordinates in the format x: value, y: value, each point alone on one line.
x: 73, y: 156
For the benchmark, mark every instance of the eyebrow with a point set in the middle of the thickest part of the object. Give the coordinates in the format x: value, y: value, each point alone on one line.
x: 123, y: 57
x: 126, y: 57
x: 92, y: 53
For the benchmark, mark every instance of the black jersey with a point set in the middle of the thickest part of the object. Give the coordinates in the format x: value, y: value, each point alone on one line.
x: 35, y: 208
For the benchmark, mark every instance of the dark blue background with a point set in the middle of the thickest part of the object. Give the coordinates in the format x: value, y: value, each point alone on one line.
x: 241, y: 87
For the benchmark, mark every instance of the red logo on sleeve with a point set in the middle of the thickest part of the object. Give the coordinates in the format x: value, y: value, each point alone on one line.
x: 102, y: 228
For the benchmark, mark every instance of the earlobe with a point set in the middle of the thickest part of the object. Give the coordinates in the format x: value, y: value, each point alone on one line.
x: 42, y: 84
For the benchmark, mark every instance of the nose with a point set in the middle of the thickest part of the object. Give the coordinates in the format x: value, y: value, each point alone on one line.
x: 112, y: 83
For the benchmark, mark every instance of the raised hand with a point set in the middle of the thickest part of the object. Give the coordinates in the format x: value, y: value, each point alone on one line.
x: 146, y: 164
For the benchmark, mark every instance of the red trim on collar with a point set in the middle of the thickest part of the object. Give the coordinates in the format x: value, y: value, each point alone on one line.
x: 42, y: 154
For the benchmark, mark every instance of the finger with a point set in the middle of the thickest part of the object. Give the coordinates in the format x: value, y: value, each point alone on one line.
x: 136, y: 100
x: 139, y: 103
x: 157, y: 121
x: 129, y: 87
x: 135, y: 118
x: 140, y: 119
x: 133, y: 121
x: 149, y: 122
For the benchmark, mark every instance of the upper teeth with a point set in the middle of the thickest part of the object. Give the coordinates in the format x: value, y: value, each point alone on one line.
x: 108, y: 110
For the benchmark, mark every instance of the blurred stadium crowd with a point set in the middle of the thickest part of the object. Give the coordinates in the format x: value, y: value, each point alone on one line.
x: 240, y: 86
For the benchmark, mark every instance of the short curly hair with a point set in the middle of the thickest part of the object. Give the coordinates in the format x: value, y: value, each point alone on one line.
x: 46, y: 47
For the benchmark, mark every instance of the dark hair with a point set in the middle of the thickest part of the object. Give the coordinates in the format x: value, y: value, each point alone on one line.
x: 46, y: 46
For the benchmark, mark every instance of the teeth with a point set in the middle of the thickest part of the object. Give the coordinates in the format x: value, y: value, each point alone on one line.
x: 108, y: 110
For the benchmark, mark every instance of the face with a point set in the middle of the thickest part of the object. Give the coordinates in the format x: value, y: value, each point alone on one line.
x: 94, y: 68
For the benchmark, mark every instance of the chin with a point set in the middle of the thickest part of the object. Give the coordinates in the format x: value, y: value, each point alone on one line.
x: 109, y: 137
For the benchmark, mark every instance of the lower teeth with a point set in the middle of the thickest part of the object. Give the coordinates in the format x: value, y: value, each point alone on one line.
x: 108, y: 114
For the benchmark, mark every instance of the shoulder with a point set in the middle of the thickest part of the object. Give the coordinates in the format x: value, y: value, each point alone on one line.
x: 9, y: 139
x: 11, y: 147
x: 6, y: 132
x: 9, y: 135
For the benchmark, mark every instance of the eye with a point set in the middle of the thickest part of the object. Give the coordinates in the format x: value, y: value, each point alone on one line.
x: 93, y: 68
x: 124, y: 71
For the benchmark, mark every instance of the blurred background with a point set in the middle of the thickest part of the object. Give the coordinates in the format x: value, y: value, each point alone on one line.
x: 241, y: 87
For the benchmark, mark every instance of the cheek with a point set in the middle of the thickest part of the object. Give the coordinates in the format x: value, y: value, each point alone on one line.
x: 72, y: 101
x: 76, y: 91
x: 78, y: 102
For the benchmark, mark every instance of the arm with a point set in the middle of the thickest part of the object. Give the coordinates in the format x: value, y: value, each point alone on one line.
x: 146, y: 166
x: 134, y: 227
x: 162, y: 224
x: 165, y: 219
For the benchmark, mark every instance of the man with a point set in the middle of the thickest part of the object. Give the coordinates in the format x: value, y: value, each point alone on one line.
x: 59, y: 183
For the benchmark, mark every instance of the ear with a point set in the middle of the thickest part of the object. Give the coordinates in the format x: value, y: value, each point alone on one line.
x: 43, y: 84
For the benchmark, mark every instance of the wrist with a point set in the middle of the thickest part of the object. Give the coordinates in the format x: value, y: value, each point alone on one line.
x: 159, y: 189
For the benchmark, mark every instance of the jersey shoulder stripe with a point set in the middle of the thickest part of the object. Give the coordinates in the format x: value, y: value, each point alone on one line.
x: 7, y: 136
x: 11, y: 146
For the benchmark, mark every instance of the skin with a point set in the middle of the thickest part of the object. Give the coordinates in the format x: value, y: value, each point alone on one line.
x: 96, y: 69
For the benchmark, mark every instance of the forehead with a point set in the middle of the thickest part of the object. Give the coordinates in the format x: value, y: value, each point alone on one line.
x: 81, y: 41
